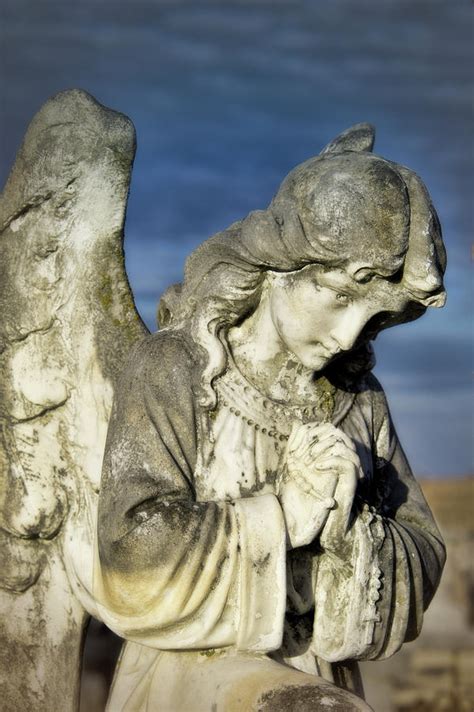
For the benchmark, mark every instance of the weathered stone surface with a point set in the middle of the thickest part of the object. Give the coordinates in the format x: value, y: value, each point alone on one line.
x: 259, y: 529
x: 67, y: 324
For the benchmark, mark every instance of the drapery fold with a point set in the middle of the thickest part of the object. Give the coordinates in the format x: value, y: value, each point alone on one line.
x: 370, y: 602
x: 176, y: 573
x: 179, y: 573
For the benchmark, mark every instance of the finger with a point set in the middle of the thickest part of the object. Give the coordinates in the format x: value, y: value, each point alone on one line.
x: 330, y: 440
x: 318, y: 454
x: 318, y: 438
x: 319, y: 450
x: 323, y: 485
x: 337, y: 435
x: 324, y: 448
x: 324, y: 427
x: 299, y: 453
x: 330, y: 447
x: 309, y: 432
x: 324, y: 431
x: 296, y: 436
x: 351, y: 457
x: 318, y: 430
x: 342, y: 465
x: 330, y: 443
x: 300, y: 442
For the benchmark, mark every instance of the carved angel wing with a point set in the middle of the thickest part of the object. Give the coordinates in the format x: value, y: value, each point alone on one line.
x: 67, y: 322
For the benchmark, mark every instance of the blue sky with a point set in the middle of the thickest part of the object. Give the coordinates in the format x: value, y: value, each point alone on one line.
x: 227, y: 96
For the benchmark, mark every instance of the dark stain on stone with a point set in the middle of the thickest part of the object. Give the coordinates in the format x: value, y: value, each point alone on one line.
x: 307, y: 698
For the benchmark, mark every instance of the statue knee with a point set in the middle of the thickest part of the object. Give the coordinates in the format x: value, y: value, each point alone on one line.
x: 310, y: 698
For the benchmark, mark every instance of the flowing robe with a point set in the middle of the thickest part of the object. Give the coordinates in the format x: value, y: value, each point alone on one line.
x: 192, y: 537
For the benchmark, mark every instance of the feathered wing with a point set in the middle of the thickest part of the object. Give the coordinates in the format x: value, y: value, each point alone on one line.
x: 67, y: 322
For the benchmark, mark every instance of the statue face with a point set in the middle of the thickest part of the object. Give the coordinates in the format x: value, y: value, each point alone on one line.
x: 320, y: 313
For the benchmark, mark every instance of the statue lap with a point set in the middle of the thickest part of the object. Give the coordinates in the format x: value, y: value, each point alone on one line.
x: 220, y: 681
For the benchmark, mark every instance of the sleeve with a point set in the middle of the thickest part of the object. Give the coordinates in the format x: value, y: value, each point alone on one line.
x: 370, y: 595
x: 176, y: 573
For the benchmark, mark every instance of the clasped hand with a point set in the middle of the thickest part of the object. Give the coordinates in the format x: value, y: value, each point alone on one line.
x: 318, y: 487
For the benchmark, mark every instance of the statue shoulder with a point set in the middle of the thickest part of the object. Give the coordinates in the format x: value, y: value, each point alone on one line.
x: 165, y: 359
x: 369, y: 383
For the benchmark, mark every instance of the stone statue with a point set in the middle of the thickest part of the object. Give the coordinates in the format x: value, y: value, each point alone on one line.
x: 258, y: 529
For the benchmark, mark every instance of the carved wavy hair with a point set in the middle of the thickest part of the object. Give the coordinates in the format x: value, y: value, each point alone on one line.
x: 344, y: 209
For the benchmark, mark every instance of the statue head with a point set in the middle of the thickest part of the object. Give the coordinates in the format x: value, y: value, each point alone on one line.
x: 346, y: 212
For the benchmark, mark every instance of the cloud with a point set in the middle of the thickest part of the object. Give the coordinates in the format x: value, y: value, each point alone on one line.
x: 228, y: 97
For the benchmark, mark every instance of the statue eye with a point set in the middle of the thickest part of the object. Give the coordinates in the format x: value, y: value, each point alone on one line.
x: 343, y: 298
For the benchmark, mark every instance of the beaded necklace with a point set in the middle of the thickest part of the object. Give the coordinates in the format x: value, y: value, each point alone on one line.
x: 268, y: 416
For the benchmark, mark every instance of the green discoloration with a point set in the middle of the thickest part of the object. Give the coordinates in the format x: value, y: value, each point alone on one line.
x: 61, y: 220
x: 308, y: 698
x: 208, y: 653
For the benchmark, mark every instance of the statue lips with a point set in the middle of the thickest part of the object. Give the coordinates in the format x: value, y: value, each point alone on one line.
x: 329, y: 352
x: 332, y: 351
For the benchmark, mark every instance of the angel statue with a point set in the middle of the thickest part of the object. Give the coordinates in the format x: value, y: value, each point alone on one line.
x: 227, y: 494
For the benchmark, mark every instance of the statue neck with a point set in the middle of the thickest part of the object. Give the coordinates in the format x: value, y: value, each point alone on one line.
x: 261, y: 356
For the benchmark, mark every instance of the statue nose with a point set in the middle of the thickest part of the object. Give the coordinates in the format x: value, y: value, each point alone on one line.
x: 347, y: 331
